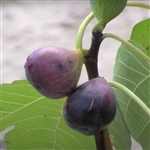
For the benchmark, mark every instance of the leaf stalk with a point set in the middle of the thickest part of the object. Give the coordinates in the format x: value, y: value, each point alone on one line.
x: 81, y: 30
x: 143, y: 55
x: 132, y: 95
x: 141, y: 5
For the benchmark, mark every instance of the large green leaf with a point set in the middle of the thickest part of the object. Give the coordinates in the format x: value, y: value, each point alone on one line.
x: 133, y: 71
x: 120, y: 133
x: 141, y: 34
x: 31, y: 121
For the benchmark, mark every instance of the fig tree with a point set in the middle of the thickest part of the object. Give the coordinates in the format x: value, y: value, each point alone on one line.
x: 91, y: 107
x: 54, y: 71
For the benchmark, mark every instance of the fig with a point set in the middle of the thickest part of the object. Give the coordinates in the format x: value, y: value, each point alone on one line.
x: 90, y: 107
x: 53, y: 71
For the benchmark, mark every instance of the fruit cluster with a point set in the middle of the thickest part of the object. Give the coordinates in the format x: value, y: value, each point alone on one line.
x: 55, y: 72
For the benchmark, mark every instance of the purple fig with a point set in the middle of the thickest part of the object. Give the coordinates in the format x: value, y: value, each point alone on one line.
x: 54, y: 71
x: 91, y: 107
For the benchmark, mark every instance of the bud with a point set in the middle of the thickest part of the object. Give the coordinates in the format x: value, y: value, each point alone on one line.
x: 106, y: 10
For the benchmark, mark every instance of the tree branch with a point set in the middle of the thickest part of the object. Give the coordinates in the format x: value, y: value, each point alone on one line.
x: 102, y: 138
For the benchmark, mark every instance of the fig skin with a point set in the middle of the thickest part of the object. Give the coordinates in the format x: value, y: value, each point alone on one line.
x: 54, y: 71
x: 91, y: 107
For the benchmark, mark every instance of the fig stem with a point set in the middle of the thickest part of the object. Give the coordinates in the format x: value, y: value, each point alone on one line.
x: 132, y: 95
x: 143, y: 55
x: 107, y: 141
x: 92, y: 58
x: 99, y: 26
x: 99, y: 140
x: 141, y: 5
x: 102, y: 138
x: 81, y: 30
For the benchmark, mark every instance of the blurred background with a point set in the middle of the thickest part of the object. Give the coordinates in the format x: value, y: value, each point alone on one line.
x: 29, y: 25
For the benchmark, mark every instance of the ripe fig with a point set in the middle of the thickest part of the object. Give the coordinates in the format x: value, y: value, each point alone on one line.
x: 54, y: 71
x: 91, y: 107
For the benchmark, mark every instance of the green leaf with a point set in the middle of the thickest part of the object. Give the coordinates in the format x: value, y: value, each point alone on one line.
x: 120, y: 133
x: 141, y: 34
x: 105, y: 10
x: 133, y: 71
x: 31, y: 121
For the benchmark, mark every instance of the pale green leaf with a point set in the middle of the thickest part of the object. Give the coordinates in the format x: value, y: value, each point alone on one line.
x: 141, y: 34
x: 35, y: 122
x: 133, y: 71
x: 119, y: 132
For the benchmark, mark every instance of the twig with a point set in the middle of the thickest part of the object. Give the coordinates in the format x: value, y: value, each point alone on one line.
x: 102, y: 138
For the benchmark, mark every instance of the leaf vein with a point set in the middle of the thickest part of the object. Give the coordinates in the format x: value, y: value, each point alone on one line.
x: 22, y: 108
x: 131, y: 68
